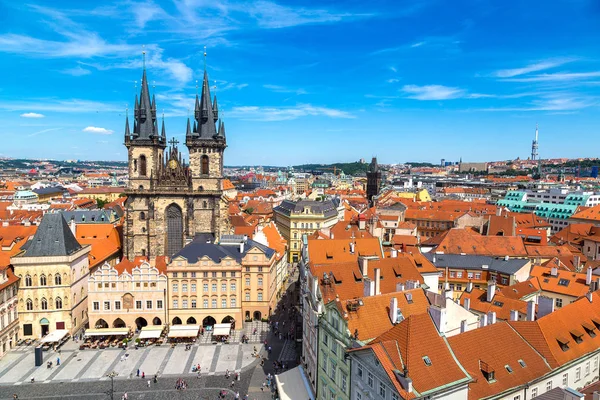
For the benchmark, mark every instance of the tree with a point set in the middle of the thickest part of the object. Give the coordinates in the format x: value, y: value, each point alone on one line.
x: 100, y: 203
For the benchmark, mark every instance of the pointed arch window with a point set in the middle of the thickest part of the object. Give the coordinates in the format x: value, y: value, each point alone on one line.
x: 204, y: 165
x: 44, y: 303
x: 29, y: 305
x: 57, y: 279
x: 143, y: 165
x: 28, y: 281
x: 58, y: 303
x: 43, y: 281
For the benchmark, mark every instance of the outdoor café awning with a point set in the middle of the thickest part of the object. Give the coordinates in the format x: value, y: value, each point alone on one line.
x: 183, y: 331
x: 107, y: 332
x: 222, y: 329
x: 292, y: 384
x: 55, y: 336
x: 151, y: 332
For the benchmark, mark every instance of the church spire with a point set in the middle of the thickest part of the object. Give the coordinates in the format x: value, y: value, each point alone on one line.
x: 163, y: 134
x: 188, y: 132
x: 215, y: 109
x: 127, y: 132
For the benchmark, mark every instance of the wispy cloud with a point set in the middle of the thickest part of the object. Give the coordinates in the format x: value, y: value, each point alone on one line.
x: 32, y: 115
x: 44, y: 131
x: 283, y: 89
x: 418, y: 44
x: 537, y: 66
x: 57, y: 105
x: 255, y: 113
x: 433, y: 92
x: 76, y: 71
x: 393, y: 80
x: 95, y: 129
x: 555, y: 102
x: 557, y: 77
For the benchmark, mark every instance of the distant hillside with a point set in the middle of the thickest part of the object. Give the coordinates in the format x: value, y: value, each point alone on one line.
x: 354, y: 168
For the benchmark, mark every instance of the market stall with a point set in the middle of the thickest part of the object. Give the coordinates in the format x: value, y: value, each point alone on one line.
x: 151, y: 335
x: 183, y: 333
x: 101, y: 338
x: 221, y: 332
x: 54, y: 339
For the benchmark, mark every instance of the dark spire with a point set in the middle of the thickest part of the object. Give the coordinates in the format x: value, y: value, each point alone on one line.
x: 188, y: 132
x: 215, y: 109
x: 221, y: 134
x: 127, y: 132
x: 195, y: 127
x: 373, y: 167
x: 163, y: 133
x: 204, y: 115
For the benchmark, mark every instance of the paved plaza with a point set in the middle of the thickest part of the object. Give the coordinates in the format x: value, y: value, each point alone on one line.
x: 17, y: 367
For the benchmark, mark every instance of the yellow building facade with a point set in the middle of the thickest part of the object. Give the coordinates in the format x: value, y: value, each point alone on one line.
x: 294, y: 219
x: 235, y: 280
x: 53, y: 272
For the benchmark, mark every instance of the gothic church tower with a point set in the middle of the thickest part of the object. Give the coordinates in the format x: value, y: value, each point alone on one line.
x: 168, y: 201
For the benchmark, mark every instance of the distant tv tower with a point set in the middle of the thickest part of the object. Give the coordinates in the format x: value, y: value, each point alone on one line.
x: 534, y: 146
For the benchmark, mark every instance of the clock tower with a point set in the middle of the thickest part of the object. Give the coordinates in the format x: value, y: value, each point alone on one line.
x: 169, y: 201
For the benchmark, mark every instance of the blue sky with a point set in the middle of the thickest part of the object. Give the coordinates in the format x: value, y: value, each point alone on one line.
x: 308, y: 81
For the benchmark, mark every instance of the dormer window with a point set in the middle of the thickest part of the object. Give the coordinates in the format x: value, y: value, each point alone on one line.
x: 577, y: 335
x: 589, y: 329
x: 563, y: 343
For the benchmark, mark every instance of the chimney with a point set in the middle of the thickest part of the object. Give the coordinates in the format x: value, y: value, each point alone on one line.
x: 399, y: 287
x: 394, y: 310
x: 588, y: 276
x: 368, y: 287
x: 531, y: 310
x: 377, y: 281
x: 242, y: 247
x: 554, y: 271
x: 545, y: 306
x: 364, y: 265
x: 491, y: 291
x: 463, y: 326
x: 514, y: 315
x: 467, y: 304
x: 73, y: 227
x: 362, y: 223
x: 439, y: 317
x: 352, y: 247
x: 331, y: 235
x: 469, y: 286
x: 577, y: 262
x: 394, y: 253
x: 590, y: 296
x: 449, y: 294
x: 491, y: 318
x: 483, y: 320
x: 498, y: 211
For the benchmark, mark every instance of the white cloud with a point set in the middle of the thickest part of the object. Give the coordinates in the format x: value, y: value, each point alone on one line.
x: 32, y: 115
x: 432, y: 92
x: 145, y: 12
x: 95, y: 129
x: 67, y: 105
x: 556, y: 102
x: 76, y: 71
x: 538, y: 66
x: 557, y: 77
x: 418, y: 44
x: 393, y: 80
x: 256, y: 113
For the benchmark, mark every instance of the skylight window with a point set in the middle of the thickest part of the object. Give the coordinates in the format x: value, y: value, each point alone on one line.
x: 498, y: 303
x: 508, y: 368
x: 522, y: 363
x: 427, y: 361
x: 564, y: 282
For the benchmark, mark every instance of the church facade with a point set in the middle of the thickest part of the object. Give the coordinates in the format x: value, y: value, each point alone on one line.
x: 169, y: 202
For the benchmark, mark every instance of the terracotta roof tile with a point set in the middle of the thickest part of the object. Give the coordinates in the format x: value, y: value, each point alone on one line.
x: 459, y: 241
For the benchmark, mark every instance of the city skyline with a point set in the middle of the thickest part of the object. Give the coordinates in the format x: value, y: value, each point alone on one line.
x: 307, y: 82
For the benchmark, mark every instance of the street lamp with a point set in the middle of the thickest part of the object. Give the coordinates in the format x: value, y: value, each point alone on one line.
x: 112, y: 376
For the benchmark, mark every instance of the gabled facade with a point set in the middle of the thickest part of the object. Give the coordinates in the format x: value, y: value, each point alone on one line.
x: 53, y: 270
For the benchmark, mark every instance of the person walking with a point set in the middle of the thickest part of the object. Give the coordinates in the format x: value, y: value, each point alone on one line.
x: 143, y: 375
x: 149, y: 381
x: 57, y: 361
x: 138, y: 372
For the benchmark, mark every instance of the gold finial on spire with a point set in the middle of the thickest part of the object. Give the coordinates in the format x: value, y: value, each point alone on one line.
x: 144, y: 56
x: 196, y: 87
x: 204, y: 58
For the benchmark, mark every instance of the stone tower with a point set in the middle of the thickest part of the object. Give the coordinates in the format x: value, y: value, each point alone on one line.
x: 168, y: 201
x: 373, y: 181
